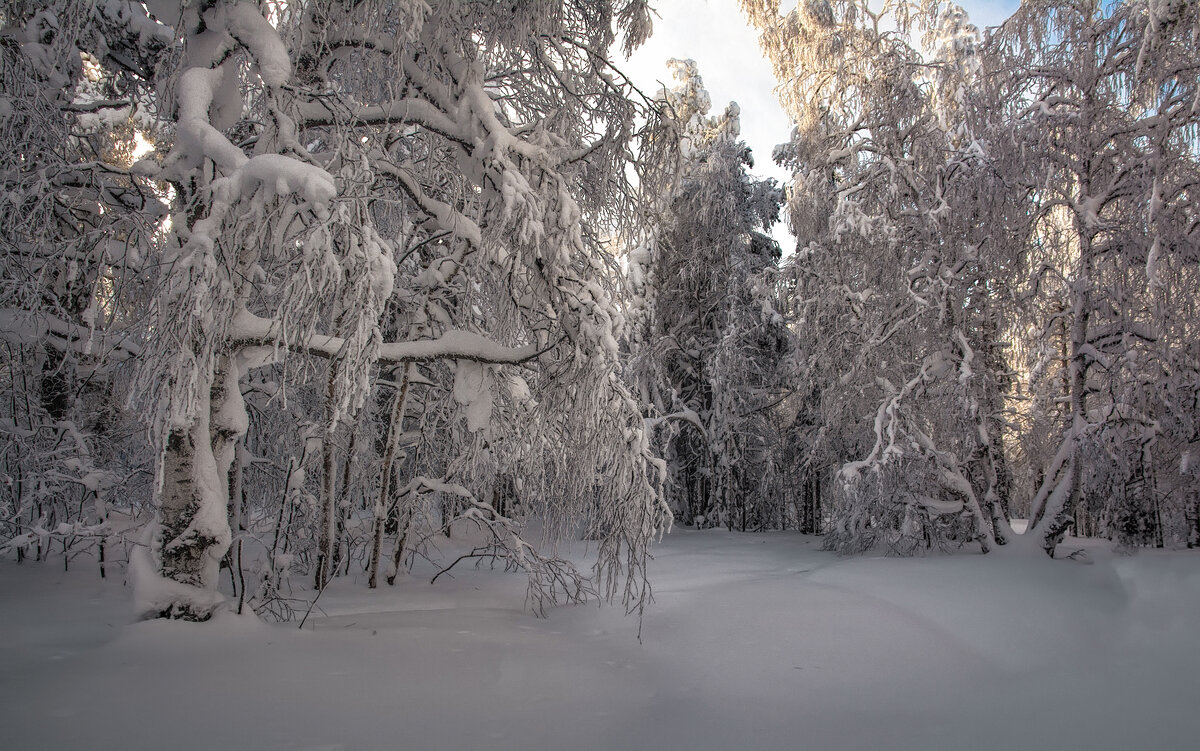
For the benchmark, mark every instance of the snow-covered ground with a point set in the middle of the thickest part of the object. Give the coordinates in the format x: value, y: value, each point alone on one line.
x: 754, y: 642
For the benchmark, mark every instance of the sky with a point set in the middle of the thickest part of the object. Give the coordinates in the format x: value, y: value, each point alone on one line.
x: 715, y: 35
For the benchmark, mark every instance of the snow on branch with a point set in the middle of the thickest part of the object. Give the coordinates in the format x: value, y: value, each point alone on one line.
x: 251, y: 330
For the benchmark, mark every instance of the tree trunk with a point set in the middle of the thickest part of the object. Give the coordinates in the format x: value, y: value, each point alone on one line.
x: 1062, y: 518
x: 327, y: 534
x: 395, y: 429
x: 341, y: 553
x: 193, y: 520
x: 1192, y: 515
x: 406, y: 516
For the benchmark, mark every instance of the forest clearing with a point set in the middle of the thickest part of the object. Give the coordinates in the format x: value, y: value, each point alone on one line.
x: 431, y: 374
x: 753, y: 641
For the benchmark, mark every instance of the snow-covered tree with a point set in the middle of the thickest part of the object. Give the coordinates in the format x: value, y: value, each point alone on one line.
x: 74, y: 226
x: 973, y: 212
x: 709, y: 343
x: 1100, y: 124
x: 365, y: 197
x: 898, y: 376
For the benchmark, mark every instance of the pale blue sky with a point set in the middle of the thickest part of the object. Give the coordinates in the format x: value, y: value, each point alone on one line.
x: 715, y: 35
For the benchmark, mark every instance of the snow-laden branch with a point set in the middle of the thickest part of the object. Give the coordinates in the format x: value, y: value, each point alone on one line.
x: 25, y: 328
x: 683, y: 415
x: 410, y: 111
x: 249, y: 330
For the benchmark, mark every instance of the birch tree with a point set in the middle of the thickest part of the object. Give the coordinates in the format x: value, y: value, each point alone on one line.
x: 1100, y: 103
x: 417, y: 187
x: 892, y: 275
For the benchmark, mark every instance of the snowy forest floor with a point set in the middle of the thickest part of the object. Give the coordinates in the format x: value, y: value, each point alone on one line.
x: 754, y: 642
